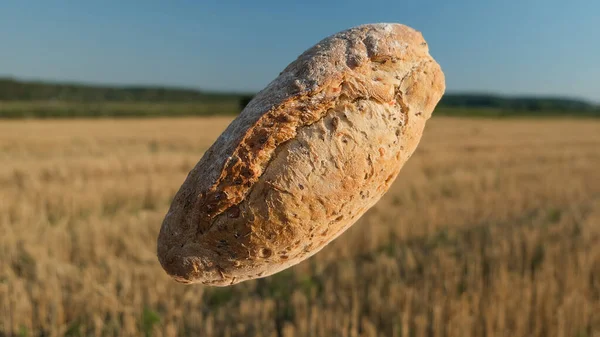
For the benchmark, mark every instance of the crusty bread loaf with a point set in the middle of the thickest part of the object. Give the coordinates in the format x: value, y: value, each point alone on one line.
x: 306, y: 158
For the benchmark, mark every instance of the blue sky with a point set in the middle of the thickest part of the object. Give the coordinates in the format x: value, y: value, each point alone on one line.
x: 539, y: 47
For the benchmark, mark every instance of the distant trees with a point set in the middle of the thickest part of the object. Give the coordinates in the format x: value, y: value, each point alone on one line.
x: 466, y: 104
x: 531, y: 104
x: 13, y: 90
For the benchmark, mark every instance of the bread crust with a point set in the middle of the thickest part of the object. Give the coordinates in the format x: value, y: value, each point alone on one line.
x: 305, y: 159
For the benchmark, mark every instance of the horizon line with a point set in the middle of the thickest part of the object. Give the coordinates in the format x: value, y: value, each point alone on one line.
x: 254, y: 92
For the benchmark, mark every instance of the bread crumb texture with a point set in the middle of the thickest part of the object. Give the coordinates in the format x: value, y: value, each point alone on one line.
x: 309, y: 155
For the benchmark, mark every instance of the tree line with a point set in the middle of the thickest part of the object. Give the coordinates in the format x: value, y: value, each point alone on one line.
x: 12, y: 90
x: 15, y: 90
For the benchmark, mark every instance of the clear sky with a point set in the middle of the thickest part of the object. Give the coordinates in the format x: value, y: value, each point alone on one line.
x: 547, y: 47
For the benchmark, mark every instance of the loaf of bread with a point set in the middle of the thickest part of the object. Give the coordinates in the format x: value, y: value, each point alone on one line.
x: 309, y: 155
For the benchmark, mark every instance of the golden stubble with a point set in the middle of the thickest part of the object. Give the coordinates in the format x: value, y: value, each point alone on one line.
x: 492, y: 228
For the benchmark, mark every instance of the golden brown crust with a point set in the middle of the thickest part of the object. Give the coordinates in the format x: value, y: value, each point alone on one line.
x: 237, y: 217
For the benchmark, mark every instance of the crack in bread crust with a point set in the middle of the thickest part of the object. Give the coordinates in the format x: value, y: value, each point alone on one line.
x: 399, y: 104
x: 260, y: 237
x: 253, y: 153
x: 278, y: 125
x: 252, y: 156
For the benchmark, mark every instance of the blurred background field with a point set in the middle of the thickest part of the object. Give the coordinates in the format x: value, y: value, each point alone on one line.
x: 494, y: 237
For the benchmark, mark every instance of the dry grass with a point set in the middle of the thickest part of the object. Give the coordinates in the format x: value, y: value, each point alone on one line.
x: 492, y: 229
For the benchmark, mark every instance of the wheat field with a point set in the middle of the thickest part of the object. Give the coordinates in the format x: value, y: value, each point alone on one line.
x: 492, y: 229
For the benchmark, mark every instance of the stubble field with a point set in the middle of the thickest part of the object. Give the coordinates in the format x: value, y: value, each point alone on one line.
x: 491, y: 229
